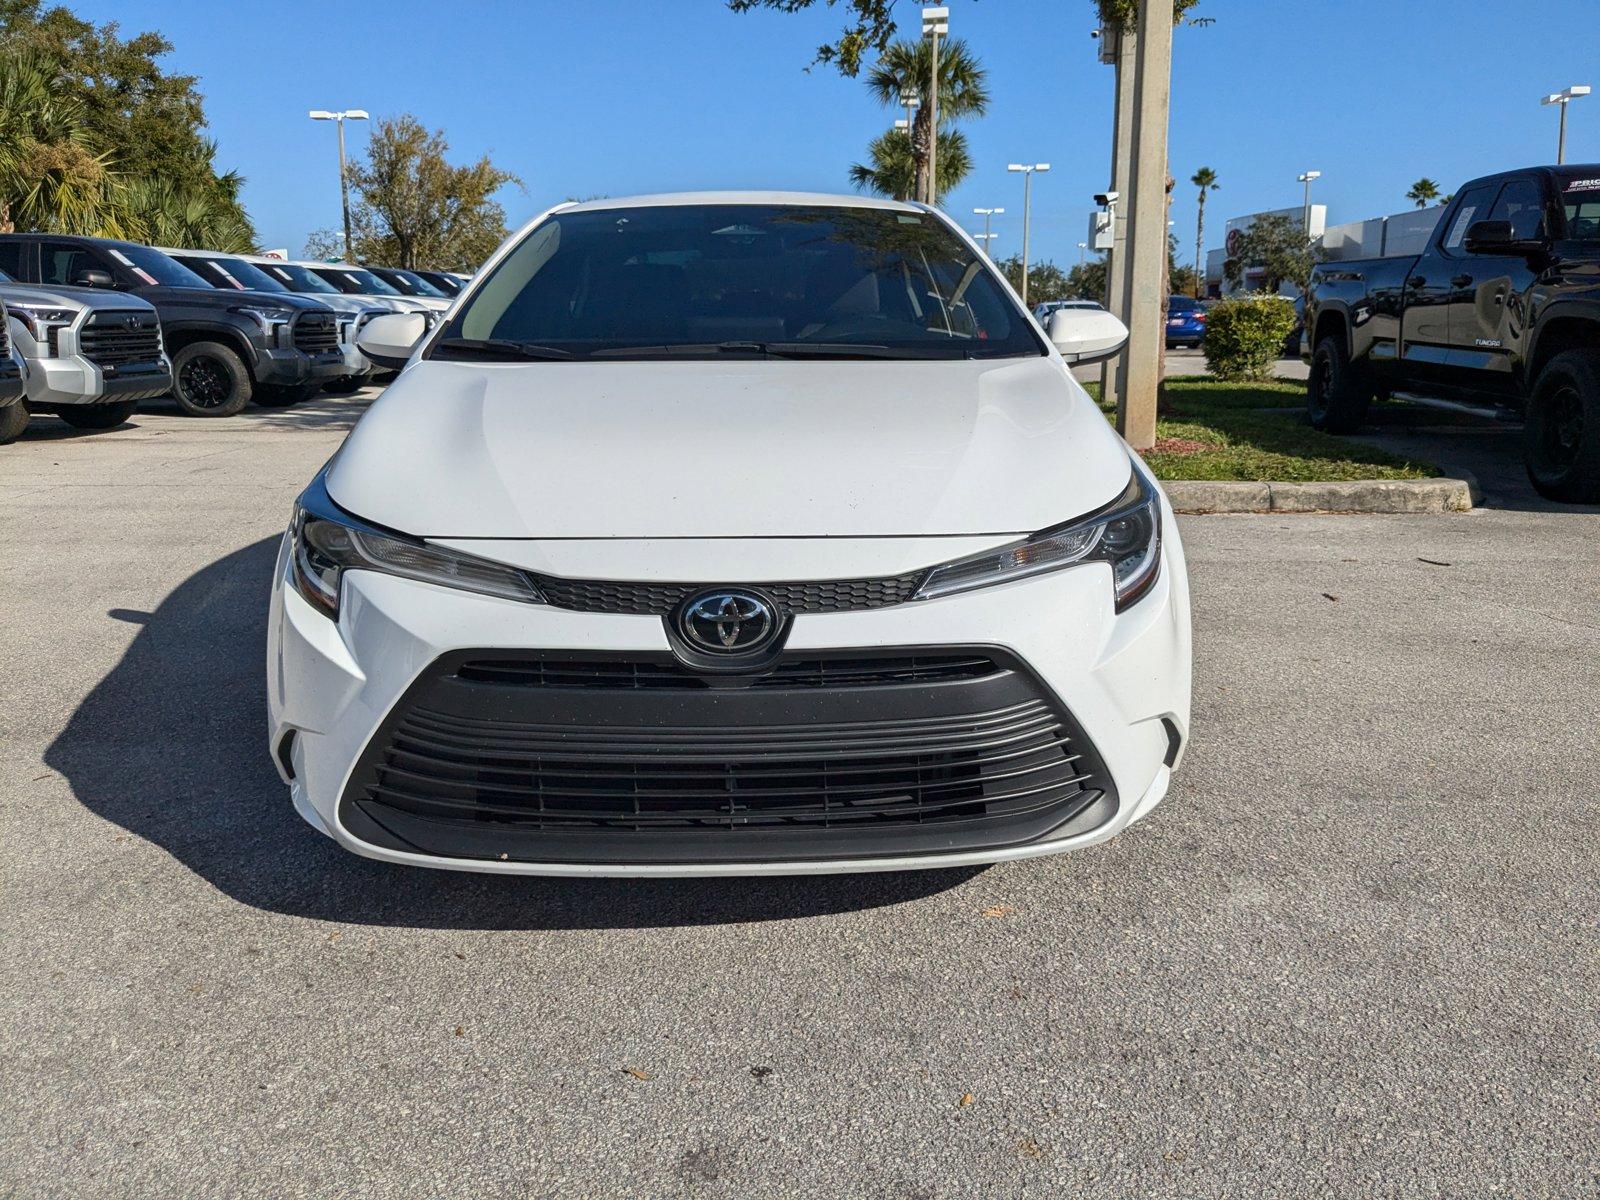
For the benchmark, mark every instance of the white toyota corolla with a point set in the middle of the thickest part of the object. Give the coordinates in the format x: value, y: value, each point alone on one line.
x: 730, y: 533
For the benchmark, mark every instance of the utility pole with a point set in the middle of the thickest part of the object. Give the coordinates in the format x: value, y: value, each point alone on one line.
x: 986, y: 214
x: 934, y: 22
x: 1119, y: 48
x: 1147, y: 233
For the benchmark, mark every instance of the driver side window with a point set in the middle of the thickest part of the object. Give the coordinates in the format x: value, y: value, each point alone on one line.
x: 1521, y: 202
x: 61, y: 263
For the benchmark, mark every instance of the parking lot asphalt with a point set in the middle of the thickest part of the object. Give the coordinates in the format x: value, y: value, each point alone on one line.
x: 1353, y: 953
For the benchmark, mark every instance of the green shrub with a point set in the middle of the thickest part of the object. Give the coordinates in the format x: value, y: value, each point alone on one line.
x: 1244, y: 336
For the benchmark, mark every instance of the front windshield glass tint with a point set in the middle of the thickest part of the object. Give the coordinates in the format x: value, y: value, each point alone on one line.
x: 248, y: 275
x: 157, y: 267
x: 359, y: 282
x: 708, y: 280
x: 300, y: 279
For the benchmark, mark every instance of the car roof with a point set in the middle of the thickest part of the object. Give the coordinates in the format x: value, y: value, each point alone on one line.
x: 813, y: 199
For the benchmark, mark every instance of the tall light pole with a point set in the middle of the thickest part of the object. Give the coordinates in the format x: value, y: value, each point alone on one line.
x: 1563, y: 98
x: 909, y: 100
x: 986, y: 214
x: 986, y: 239
x: 1083, y: 249
x: 1306, y: 179
x: 1027, y: 170
x: 349, y: 114
x: 934, y: 22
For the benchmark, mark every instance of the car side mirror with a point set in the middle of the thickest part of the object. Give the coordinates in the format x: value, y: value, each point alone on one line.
x: 1086, y: 335
x: 389, y: 340
x: 94, y: 278
x: 1497, y: 237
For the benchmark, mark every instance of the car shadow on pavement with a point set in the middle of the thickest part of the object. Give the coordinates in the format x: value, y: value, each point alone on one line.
x: 171, y: 746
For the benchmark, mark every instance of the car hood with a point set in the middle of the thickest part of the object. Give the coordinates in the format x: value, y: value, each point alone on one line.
x: 211, y: 297
x: 729, y: 450
x: 68, y: 297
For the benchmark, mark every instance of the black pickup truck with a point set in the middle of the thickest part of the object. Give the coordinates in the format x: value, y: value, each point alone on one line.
x: 226, y: 348
x: 1499, y: 315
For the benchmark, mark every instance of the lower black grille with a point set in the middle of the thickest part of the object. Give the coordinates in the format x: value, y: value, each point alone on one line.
x: 316, y: 333
x: 572, y: 759
x: 120, y: 339
x: 658, y: 599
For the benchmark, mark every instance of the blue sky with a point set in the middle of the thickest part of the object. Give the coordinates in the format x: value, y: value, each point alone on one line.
x: 584, y: 97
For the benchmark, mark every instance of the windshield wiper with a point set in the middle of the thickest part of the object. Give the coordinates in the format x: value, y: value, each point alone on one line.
x: 503, y: 348
x: 779, y: 350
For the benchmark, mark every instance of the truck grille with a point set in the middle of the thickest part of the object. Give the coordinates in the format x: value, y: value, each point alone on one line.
x: 121, y: 338
x: 316, y: 333
x: 570, y: 759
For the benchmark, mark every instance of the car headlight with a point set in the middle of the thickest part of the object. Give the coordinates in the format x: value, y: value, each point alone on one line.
x: 269, y: 317
x: 326, y: 542
x: 40, y: 321
x: 1126, y: 534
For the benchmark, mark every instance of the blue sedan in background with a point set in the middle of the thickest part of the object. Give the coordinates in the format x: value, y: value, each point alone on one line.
x: 1186, y: 321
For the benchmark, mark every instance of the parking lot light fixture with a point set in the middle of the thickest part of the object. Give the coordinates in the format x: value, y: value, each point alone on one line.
x: 986, y: 214
x: 1026, y: 170
x: 986, y: 238
x: 935, y: 21
x: 349, y: 114
x: 1306, y: 179
x: 1563, y: 98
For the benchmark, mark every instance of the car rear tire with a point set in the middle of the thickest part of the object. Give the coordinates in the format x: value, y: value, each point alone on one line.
x: 209, y: 380
x: 346, y: 385
x: 13, y: 420
x: 1561, y: 437
x: 282, y: 395
x: 1337, y: 397
x: 97, y: 416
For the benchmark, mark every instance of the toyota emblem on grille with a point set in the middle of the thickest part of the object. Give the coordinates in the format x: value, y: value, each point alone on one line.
x: 728, y: 622
x: 131, y: 320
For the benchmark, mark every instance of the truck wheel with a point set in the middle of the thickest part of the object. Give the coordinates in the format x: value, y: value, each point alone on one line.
x: 13, y: 420
x: 1561, y: 439
x: 1337, y: 397
x: 97, y: 416
x: 208, y: 380
x: 281, y: 395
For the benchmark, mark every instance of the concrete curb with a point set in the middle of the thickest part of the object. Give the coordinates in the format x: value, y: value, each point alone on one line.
x: 1354, y: 496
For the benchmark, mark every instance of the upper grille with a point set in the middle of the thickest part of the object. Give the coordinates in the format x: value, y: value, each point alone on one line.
x: 316, y: 333
x: 831, y: 755
x: 636, y: 675
x: 120, y: 338
x: 658, y: 599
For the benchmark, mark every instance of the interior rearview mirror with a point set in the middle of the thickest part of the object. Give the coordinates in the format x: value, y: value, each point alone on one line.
x: 94, y: 278
x: 389, y: 340
x: 1086, y: 335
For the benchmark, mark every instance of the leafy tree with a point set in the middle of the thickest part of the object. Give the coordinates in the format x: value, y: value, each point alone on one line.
x: 324, y: 245
x: 963, y: 91
x: 53, y: 174
x: 133, y: 118
x: 871, y: 25
x: 1206, y: 180
x: 411, y: 208
x: 1278, y: 245
x: 1046, y: 281
x: 1087, y: 280
x: 169, y: 212
x: 1423, y: 192
x: 892, y: 170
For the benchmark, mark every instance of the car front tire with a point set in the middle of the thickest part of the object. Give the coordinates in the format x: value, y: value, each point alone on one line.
x: 13, y: 420
x: 1561, y: 435
x: 1337, y: 397
x: 209, y: 380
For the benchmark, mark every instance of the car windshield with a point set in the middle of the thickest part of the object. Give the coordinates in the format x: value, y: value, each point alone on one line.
x: 357, y: 281
x: 413, y: 284
x: 155, y: 267
x: 704, y: 281
x: 248, y: 275
x: 300, y: 279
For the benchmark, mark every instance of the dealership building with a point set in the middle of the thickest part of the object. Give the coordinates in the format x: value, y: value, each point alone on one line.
x: 1380, y: 237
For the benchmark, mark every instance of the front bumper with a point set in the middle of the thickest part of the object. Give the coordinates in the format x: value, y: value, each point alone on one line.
x: 288, y: 368
x: 1123, y: 678
x: 75, y: 380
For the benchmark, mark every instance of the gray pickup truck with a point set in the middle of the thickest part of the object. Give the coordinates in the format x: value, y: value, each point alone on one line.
x: 1499, y: 315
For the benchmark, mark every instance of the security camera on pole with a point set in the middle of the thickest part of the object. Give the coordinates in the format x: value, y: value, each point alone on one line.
x: 935, y: 21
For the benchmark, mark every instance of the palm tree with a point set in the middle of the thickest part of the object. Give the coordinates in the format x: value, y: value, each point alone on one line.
x: 1424, y: 192
x: 1206, y: 180
x: 52, y: 175
x: 906, y: 66
x: 892, y: 170
x: 167, y: 212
